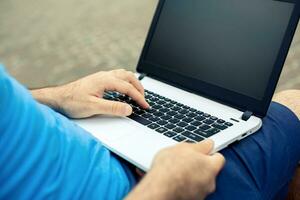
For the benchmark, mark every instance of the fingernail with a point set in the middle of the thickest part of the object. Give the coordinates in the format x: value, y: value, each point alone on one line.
x: 128, y: 110
x: 148, y: 105
x: 209, y: 141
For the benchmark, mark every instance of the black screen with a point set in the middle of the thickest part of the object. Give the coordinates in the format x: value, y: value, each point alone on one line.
x: 232, y: 44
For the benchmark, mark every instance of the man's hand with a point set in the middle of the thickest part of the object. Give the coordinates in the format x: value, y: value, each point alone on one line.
x: 185, y: 171
x: 83, y: 98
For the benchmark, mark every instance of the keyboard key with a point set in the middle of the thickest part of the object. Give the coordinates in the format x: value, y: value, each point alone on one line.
x: 174, y: 120
x: 190, y: 141
x: 175, y: 108
x: 179, y: 138
x: 170, y: 126
x: 179, y: 105
x: 124, y: 98
x: 228, y: 124
x: 190, y: 128
x: 196, y: 123
x: 162, y: 122
x: 172, y: 113
x: 206, y: 115
x: 165, y: 98
x: 199, y: 112
x: 168, y: 105
x: 220, y: 121
x: 154, y: 119
x: 213, y: 118
x: 151, y: 103
x: 204, y: 127
x: 208, y: 121
x: 192, y: 136
x: 192, y: 110
x: 178, y: 130
x: 183, y: 111
x: 157, y: 106
x: 191, y: 114
x: 151, y: 99
x: 158, y: 114
x: 170, y: 134
x: 172, y: 102
x: 187, y: 119
x: 220, y: 126
x: 212, y: 131
x: 151, y: 110
x: 161, y: 102
x: 166, y: 117
x: 207, y: 133
x: 200, y: 118
x: 182, y: 124
x: 153, y: 126
x: 179, y: 116
x: 139, y: 119
x: 147, y: 115
x: 161, y: 130
x: 185, y: 107
x: 139, y: 112
x: 164, y: 110
x: 202, y: 133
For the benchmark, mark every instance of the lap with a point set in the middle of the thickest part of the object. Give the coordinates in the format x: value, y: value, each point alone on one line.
x: 261, y: 166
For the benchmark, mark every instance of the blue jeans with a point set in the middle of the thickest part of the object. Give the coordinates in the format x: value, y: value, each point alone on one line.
x: 262, y: 165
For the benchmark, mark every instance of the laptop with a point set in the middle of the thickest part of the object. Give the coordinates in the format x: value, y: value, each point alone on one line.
x: 209, y: 69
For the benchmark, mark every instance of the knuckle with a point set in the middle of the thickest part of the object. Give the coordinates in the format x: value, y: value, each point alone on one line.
x: 121, y: 71
x: 131, y: 89
x: 212, y: 187
x: 115, y: 108
x: 131, y: 74
x: 128, y: 87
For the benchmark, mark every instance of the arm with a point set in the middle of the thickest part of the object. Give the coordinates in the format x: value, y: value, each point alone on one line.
x: 185, y: 171
x: 83, y: 98
x: 43, y: 152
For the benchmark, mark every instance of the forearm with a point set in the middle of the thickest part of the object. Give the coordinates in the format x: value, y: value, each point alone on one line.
x: 47, y: 96
x: 151, y: 187
x: 156, y: 185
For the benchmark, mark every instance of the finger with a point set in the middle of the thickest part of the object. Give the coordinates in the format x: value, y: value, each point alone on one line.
x: 136, y: 83
x: 112, y: 108
x: 128, y: 89
x: 218, y: 162
x: 205, y: 146
x: 130, y: 77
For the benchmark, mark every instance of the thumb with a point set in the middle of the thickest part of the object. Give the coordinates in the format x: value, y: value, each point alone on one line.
x: 218, y: 161
x: 205, y: 146
x: 113, y: 108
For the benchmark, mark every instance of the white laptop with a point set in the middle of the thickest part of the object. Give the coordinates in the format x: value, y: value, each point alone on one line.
x: 209, y: 68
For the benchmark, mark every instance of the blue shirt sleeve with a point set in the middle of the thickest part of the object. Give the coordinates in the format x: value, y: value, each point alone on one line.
x: 46, y: 156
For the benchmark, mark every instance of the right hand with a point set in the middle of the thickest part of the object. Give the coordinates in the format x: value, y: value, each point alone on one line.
x: 84, y: 97
x: 184, y: 171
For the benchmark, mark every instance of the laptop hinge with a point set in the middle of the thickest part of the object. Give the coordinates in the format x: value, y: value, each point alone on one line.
x: 142, y: 76
x: 246, y: 115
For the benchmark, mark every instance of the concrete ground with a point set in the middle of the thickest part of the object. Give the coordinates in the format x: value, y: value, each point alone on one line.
x: 44, y: 42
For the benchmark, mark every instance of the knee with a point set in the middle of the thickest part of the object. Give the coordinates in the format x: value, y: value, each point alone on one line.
x: 289, y: 98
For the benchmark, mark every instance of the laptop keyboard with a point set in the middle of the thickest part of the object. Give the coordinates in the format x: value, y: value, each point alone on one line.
x: 172, y: 119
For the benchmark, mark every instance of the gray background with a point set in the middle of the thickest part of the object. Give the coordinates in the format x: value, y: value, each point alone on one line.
x: 47, y: 42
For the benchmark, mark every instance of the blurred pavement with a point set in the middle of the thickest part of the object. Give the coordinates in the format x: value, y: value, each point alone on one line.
x: 44, y: 42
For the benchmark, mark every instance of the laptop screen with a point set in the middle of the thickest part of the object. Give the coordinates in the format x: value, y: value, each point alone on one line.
x: 232, y: 44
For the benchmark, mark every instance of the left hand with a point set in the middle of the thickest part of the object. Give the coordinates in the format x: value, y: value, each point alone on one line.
x: 83, y: 98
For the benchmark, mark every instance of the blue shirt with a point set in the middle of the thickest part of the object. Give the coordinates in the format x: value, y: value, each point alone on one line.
x: 43, y: 155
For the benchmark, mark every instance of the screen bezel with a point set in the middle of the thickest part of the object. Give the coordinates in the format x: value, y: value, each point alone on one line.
x: 225, y: 96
